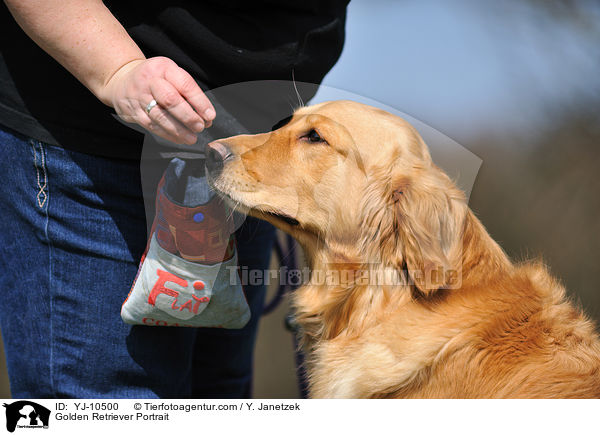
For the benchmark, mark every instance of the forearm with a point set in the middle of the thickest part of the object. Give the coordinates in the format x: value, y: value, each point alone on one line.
x: 82, y: 35
x: 89, y: 41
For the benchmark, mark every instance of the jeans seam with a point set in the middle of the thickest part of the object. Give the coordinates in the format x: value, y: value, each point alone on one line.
x: 41, y: 187
x: 44, y: 191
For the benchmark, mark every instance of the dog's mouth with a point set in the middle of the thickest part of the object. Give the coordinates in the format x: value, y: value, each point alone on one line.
x: 241, y: 206
x: 283, y: 217
x: 233, y: 199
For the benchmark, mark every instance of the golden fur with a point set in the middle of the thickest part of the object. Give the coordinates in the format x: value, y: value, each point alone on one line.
x: 457, y: 319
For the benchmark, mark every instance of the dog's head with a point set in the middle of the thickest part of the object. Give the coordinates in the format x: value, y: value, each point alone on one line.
x: 352, y: 177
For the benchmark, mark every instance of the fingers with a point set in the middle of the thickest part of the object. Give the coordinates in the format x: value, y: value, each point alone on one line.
x: 182, y: 109
x: 160, y: 122
x: 185, y: 84
x: 169, y: 98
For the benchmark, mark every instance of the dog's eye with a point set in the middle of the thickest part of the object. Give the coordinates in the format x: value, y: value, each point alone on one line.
x: 313, y: 137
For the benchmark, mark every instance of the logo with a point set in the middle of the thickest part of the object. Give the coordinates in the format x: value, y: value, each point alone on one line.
x: 180, y: 304
x: 26, y: 414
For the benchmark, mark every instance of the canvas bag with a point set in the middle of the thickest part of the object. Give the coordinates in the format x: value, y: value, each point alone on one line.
x: 188, y: 275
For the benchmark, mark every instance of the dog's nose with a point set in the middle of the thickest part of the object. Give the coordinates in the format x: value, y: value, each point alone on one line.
x: 217, y: 154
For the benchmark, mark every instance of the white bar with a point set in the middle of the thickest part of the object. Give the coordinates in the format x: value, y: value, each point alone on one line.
x: 312, y: 417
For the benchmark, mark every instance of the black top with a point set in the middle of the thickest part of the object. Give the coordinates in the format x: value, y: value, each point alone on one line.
x: 219, y: 42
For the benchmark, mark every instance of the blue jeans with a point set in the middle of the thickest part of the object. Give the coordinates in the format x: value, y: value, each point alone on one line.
x: 72, y: 231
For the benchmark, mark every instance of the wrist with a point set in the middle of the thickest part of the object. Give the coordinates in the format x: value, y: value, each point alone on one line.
x: 106, y: 91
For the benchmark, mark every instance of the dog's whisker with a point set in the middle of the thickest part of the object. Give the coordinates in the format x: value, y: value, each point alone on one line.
x: 300, y: 102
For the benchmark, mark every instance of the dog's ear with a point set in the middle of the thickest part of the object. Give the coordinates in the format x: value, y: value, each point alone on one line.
x: 414, y: 220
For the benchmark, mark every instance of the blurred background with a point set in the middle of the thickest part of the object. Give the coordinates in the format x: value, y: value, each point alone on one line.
x: 515, y: 82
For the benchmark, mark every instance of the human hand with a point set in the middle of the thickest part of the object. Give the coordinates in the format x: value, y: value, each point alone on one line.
x: 182, y: 109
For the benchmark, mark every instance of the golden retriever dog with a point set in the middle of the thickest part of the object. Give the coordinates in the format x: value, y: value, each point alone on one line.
x: 409, y: 296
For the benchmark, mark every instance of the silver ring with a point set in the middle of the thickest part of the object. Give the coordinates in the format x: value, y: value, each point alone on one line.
x: 150, y: 105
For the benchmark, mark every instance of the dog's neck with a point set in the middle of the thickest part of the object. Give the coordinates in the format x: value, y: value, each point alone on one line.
x: 330, y: 312
x: 477, y: 260
x: 340, y: 299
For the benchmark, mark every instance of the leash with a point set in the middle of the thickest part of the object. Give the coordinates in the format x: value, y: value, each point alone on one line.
x: 286, y: 255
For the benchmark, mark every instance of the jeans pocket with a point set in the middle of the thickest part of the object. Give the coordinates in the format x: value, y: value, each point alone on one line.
x: 39, y: 162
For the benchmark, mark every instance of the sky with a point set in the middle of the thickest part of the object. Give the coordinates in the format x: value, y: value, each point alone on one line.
x: 465, y: 67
